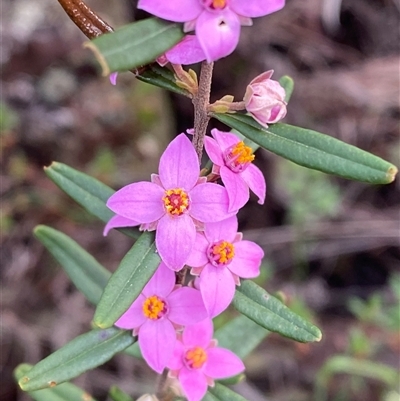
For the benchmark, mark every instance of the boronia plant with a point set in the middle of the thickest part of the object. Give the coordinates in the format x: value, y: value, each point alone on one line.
x: 183, y: 219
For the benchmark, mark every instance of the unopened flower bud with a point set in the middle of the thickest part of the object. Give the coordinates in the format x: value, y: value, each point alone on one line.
x: 265, y: 99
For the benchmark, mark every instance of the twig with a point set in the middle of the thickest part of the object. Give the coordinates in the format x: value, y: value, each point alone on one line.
x: 90, y: 23
x: 85, y: 18
x: 201, y: 102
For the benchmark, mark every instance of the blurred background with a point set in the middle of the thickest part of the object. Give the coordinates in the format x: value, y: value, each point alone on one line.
x: 332, y: 246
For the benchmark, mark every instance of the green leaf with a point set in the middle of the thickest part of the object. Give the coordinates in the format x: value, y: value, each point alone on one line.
x: 222, y: 393
x: 90, y: 193
x: 116, y: 394
x: 209, y: 397
x: 162, y: 77
x: 288, y: 84
x: 134, y: 351
x: 125, y: 285
x: 84, y: 352
x: 135, y: 44
x: 241, y: 335
x: 264, y: 309
x: 314, y: 150
x: 88, y: 275
x: 63, y: 392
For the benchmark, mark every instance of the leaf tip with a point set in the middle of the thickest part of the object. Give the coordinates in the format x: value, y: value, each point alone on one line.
x: 99, y: 57
x: 391, y: 173
x: 22, y: 382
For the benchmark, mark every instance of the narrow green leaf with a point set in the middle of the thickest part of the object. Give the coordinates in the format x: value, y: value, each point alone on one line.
x: 116, y: 394
x: 134, y: 44
x: 125, y: 285
x: 134, y: 351
x: 314, y: 150
x: 264, y: 309
x: 63, y: 392
x: 223, y: 393
x: 162, y: 77
x: 241, y: 335
x: 90, y: 193
x: 210, y: 397
x: 88, y: 275
x: 84, y: 352
x: 288, y: 84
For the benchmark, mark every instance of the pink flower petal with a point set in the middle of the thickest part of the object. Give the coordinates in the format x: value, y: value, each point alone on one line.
x: 198, y: 334
x: 186, y: 306
x: 209, y: 203
x: 187, y: 51
x: 176, y: 361
x: 117, y: 222
x: 141, y: 201
x: 254, y: 178
x: 175, y: 238
x: 222, y: 363
x: 162, y: 282
x: 247, y: 260
x: 194, y: 383
x: 214, y: 151
x: 198, y: 256
x: 256, y: 8
x: 157, y: 341
x: 238, y: 190
x: 134, y: 316
x: 113, y: 78
x: 218, y: 33
x: 217, y: 288
x: 179, y: 165
x: 225, y: 139
x: 224, y: 230
x: 177, y: 10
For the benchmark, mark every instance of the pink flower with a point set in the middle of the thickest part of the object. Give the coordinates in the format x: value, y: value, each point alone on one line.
x: 221, y: 257
x: 232, y: 161
x: 154, y: 314
x: 216, y: 22
x: 174, y: 203
x: 187, y: 51
x: 197, y: 361
x: 265, y: 99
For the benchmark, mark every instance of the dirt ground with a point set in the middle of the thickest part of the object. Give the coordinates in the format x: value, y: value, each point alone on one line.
x: 327, y: 240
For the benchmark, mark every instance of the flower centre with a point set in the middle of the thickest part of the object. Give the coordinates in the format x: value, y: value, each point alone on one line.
x: 176, y: 201
x: 238, y: 157
x: 214, y: 4
x: 154, y: 307
x: 195, y: 357
x: 221, y: 253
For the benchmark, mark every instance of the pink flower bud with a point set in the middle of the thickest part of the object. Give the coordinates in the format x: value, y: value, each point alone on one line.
x: 265, y: 99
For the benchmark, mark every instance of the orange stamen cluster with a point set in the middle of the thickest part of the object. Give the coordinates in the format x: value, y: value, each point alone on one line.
x: 176, y: 201
x: 222, y: 252
x: 243, y: 153
x: 195, y: 357
x: 154, y: 307
x: 219, y: 4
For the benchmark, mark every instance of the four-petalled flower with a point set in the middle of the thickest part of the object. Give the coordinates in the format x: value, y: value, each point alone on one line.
x: 175, y: 203
x: 233, y: 162
x: 216, y: 22
x: 221, y: 257
x: 197, y: 360
x: 157, y: 311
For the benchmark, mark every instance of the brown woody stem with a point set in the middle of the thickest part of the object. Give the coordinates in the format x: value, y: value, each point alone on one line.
x: 200, y: 103
x: 89, y: 22
x: 85, y: 18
